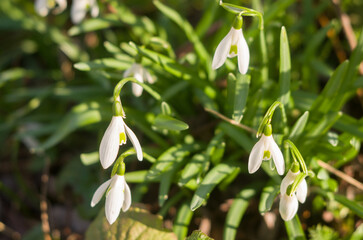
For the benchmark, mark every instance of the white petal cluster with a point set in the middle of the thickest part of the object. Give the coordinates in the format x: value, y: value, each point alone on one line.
x: 118, y: 196
x: 289, y: 203
x: 42, y: 7
x: 264, y: 149
x: 233, y: 44
x: 140, y: 74
x: 115, y: 136
x: 80, y: 7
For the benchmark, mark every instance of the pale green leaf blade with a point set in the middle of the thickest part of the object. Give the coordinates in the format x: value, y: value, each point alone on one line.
x: 236, y: 212
x: 211, y: 180
x: 240, y: 97
x: 182, y: 220
x: 299, y: 126
x: 134, y: 224
x: 285, y: 68
x: 294, y: 229
x: 163, y: 121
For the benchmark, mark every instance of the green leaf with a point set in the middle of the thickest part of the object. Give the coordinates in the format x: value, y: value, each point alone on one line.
x: 236, y: 212
x: 81, y: 115
x: 350, y: 125
x: 189, y: 32
x: 238, y: 135
x: 134, y: 224
x: 285, y: 68
x: 193, y: 168
x: 240, y: 96
x: 323, y: 103
x: 94, y: 24
x: 182, y: 221
x: 13, y: 74
x: 268, y: 196
x: 104, y: 63
x: 299, y: 126
x: 211, y: 180
x: 198, y: 235
x: 169, y: 123
x: 89, y: 158
x: 294, y: 229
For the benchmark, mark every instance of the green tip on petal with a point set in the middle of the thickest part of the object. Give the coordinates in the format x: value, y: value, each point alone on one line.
x: 266, y: 155
x: 233, y: 49
x: 238, y: 21
x: 121, y: 169
x: 117, y: 109
x: 268, y: 130
x: 122, y: 138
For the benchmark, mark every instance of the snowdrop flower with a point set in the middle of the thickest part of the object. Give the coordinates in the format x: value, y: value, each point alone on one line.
x: 233, y: 44
x: 80, y: 8
x: 115, y: 136
x: 289, y: 203
x: 42, y: 7
x: 264, y: 149
x: 118, y: 196
x: 140, y: 74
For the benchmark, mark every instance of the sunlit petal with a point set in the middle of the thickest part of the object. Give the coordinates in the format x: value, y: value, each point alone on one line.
x: 41, y: 7
x: 78, y: 11
x: 256, y: 155
x: 127, y: 201
x: 277, y: 156
x: 110, y: 142
x: 302, y: 191
x: 222, y: 51
x: 288, y: 207
x: 287, y: 180
x: 99, y: 193
x: 243, y: 54
x: 115, y: 198
x: 135, y: 142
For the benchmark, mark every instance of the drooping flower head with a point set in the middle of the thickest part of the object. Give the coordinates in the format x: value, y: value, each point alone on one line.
x: 289, y: 200
x: 265, y: 149
x: 233, y: 44
x: 115, y: 136
x: 140, y: 74
x: 80, y: 8
x: 42, y: 7
x: 118, y: 195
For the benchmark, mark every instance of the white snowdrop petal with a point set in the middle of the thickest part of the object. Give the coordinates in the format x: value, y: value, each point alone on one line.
x: 136, y: 88
x: 110, y: 142
x: 302, y: 191
x: 115, y: 198
x: 277, y: 156
x: 148, y: 77
x: 243, y: 54
x: 94, y: 8
x: 288, y: 207
x: 127, y: 201
x: 99, y: 193
x: 287, y: 180
x: 135, y: 142
x: 256, y: 155
x: 222, y: 50
x: 78, y: 11
x: 41, y: 7
x: 62, y: 5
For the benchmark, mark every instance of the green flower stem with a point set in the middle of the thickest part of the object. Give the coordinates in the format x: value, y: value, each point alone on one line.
x: 297, y: 155
x: 292, y: 188
x: 121, y: 83
x: 268, y: 116
x: 243, y: 11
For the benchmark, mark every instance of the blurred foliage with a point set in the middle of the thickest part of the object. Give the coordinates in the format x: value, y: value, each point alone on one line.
x: 56, y: 85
